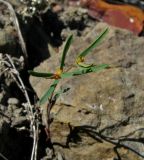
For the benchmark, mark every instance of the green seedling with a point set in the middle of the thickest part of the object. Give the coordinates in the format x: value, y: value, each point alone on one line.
x: 82, y: 68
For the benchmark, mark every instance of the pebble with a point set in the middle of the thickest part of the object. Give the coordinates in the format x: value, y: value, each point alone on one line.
x: 2, y: 107
x: 13, y: 101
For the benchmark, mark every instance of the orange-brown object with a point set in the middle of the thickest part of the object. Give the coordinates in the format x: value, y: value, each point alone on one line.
x: 124, y: 16
x: 121, y: 19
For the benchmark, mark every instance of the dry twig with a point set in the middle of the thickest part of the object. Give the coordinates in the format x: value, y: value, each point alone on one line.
x: 32, y: 117
x: 3, y: 157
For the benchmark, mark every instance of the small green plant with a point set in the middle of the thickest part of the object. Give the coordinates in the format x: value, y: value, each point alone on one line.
x: 82, y: 68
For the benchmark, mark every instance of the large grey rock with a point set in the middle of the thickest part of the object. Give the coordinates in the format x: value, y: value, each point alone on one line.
x: 105, y: 106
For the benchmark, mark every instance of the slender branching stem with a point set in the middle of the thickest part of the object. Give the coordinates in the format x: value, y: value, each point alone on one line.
x: 33, y: 123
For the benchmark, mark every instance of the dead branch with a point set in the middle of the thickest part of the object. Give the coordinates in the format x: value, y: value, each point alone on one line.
x: 32, y: 118
x: 3, y: 157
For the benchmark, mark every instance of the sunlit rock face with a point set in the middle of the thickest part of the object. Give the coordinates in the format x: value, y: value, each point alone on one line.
x: 101, y: 116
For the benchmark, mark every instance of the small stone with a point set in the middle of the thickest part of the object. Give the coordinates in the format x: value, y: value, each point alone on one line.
x: 17, y: 112
x: 19, y: 121
x: 2, y: 107
x: 13, y: 101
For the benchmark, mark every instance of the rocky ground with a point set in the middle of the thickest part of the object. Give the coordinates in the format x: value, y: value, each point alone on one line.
x: 100, y: 117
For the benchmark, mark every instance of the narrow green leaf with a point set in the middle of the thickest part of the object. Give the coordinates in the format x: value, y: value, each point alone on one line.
x: 94, y: 44
x: 84, y: 71
x: 66, y: 48
x: 48, y: 93
x: 40, y: 74
x: 99, y: 67
x: 67, y: 75
x: 61, y: 91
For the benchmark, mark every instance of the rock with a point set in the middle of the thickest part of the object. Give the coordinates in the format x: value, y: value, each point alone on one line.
x: 20, y: 121
x: 13, y: 101
x: 102, y: 112
x: 8, y: 41
x: 75, y: 19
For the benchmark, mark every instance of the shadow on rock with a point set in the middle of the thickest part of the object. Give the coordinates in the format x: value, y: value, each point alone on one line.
x: 42, y: 31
